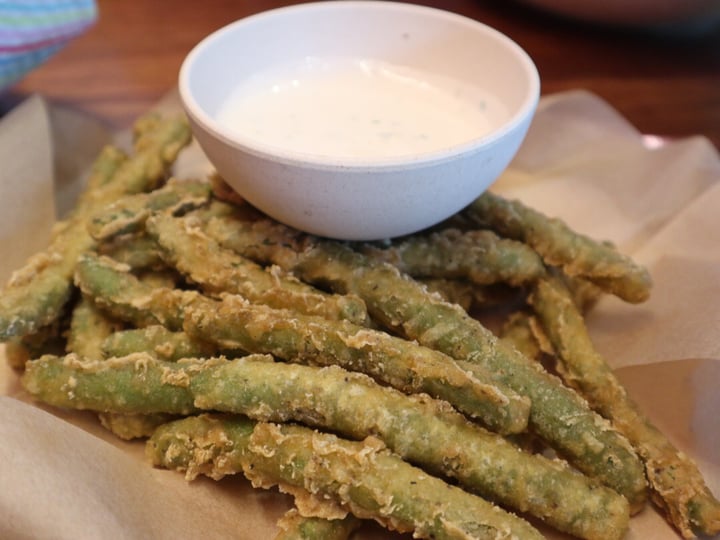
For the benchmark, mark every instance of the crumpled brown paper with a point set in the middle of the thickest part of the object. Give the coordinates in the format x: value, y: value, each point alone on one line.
x: 65, y: 477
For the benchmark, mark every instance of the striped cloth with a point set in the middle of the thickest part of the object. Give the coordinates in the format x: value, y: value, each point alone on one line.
x: 31, y: 31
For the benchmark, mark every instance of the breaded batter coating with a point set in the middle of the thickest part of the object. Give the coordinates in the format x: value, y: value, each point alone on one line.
x: 128, y: 215
x: 120, y: 293
x: 362, y: 477
x: 405, y: 365
x: 675, y: 481
x: 557, y: 414
x: 196, y: 255
x: 89, y: 327
x: 235, y: 325
x: 36, y: 294
x: 480, y: 256
x: 158, y: 341
x: 577, y: 254
x: 419, y: 429
x: 295, y: 526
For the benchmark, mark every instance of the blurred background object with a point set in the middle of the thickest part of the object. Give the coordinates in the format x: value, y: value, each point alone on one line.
x: 666, y: 85
x: 31, y: 31
x: 671, y: 16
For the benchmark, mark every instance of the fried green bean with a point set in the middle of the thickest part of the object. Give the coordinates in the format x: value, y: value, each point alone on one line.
x: 468, y: 295
x: 361, y: 476
x: 167, y: 278
x: 296, y: 337
x: 196, y: 255
x: 102, y: 173
x: 36, y: 295
x: 159, y: 341
x: 585, y: 293
x: 676, y: 483
x: 128, y: 214
x: 557, y: 414
x: 138, y: 251
x: 271, y: 243
x: 478, y: 255
x: 422, y: 430
x: 223, y: 191
x: 127, y: 385
x: 158, y: 141
x: 89, y: 327
x: 558, y: 245
x: 133, y: 426
x: 455, y: 291
x: 261, y: 240
x: 17, y: 353
x: 48, y: 340
x: 124, y: 296
x: 294, y: 526
x: 518, y: 332
x: 407, y: 366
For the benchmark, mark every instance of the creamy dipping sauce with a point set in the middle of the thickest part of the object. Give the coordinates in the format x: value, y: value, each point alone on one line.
x: 358, y: 108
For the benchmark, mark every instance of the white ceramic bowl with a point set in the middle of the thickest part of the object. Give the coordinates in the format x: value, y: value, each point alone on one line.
x: 345, y: 196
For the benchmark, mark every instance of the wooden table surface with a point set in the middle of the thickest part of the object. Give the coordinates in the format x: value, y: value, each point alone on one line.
x: 665, y: 85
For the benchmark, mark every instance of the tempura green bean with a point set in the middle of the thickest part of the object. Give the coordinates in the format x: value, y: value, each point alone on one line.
x: 158, y: 341
x: 36, y: 294
x: 418, y: 428
x: 361, y: 476
x: 137, y: 251
x: 407, y: 366
x: 675, y: 481
x: 294, y: 526
x: 127, y: 385
x: 133, y: 426
x: 21, y: 349
x: 468, y: 295
x: 128, y: 214
x: 116, y: 290
x: 218, y: 270
x: 519, y: 333
x: 557, y: 414
x: 577, y: 254
x: 89, y: 327
x: 478, y: 255
x: 296, y: 337
x: 261, y: 240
